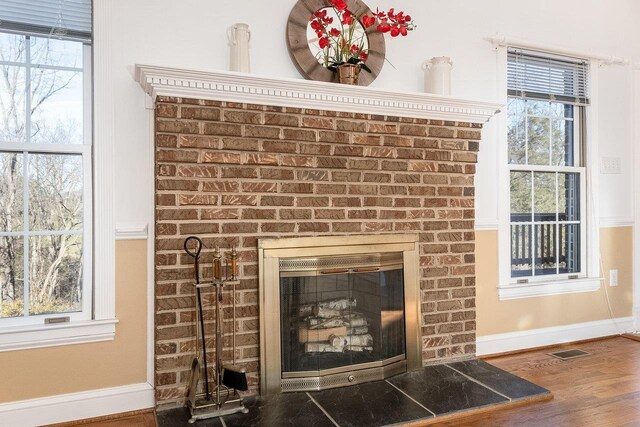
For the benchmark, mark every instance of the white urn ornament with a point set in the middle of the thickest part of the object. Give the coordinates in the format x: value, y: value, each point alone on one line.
x: 239, y: 37
x: 437, y: 75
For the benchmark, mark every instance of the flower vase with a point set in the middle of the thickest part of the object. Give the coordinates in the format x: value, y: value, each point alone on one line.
x: 349, y: 74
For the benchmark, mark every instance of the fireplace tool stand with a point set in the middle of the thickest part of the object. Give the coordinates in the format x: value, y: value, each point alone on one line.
x: 221, y: 400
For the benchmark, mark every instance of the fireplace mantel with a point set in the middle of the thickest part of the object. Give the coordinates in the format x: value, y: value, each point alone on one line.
x: 298, y: 93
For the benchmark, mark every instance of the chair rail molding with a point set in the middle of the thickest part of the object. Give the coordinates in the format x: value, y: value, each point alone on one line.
x: 131, y: 231
x: 248, y: 88
x: 611, y: 222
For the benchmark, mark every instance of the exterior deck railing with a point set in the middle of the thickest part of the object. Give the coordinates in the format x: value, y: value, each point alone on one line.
x: 544, y: 253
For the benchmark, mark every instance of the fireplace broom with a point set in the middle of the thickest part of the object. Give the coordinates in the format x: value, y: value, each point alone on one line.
x: 234, y: 376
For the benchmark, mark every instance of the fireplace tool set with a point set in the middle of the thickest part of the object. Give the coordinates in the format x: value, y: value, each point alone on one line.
x: 223, y: 398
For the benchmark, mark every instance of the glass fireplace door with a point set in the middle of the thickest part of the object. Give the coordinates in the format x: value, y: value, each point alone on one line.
x: 341, y: 318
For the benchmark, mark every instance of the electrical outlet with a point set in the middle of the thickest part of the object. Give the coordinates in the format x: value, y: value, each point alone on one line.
x: 610, y: 165
x: 613, y: 277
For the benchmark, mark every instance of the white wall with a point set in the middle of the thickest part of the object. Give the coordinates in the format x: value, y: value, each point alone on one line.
x: 192, y: 34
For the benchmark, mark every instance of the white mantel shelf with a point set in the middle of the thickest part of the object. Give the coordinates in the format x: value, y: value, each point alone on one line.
x: 249, y: 88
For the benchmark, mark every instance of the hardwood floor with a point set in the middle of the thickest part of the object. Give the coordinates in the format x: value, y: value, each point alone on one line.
x: 602, y: 389
x: 142, y: 418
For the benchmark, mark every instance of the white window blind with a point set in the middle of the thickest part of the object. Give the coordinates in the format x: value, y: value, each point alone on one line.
x: 65, y: 19
x: 537, y: 75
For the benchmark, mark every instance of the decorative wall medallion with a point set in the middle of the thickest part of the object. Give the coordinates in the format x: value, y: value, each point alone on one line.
x: 301, y: 40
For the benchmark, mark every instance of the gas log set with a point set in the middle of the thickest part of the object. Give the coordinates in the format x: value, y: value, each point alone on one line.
x: 333, y: 327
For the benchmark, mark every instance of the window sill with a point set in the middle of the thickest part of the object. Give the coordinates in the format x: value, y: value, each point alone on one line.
x: 38, y: 336
x: 540, y: 289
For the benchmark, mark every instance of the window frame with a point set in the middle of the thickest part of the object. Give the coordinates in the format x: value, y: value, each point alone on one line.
x: 579, y: 148
x: 102, y: 326
x: 589, y: 279
x: 84, y: 150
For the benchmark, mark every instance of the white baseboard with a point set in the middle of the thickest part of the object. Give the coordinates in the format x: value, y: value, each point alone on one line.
x: 501, y: 343
x: 636, y: 317
x: 77, y: 406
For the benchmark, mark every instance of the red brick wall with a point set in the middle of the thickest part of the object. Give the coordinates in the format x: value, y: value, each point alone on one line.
x: 233, y: 173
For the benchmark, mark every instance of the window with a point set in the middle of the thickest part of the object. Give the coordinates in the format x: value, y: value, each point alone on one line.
x: 547, y: 98
x: 45, y: 161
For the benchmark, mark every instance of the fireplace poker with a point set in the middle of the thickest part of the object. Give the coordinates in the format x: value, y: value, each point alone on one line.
x: 219, y: 287
x: 196, y: 365
x: 234, y: 263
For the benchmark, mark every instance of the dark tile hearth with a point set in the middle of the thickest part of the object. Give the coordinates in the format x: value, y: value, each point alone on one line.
x: 180, y: 417
x: 287, y: 409
x: 501, y: 381
x: 369, y: 404
x: 443, y: 390
x: 433, y: 390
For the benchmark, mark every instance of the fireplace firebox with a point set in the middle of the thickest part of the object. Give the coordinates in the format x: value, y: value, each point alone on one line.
x: 337, y: 311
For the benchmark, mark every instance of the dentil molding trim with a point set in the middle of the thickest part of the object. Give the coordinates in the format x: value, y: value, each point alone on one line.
x: 298, y: 93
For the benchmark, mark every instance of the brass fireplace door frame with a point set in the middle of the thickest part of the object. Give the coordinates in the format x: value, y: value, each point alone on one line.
x: 271, y: 250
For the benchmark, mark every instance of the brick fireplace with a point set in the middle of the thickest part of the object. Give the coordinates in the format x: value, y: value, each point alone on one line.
x: 235, y: 172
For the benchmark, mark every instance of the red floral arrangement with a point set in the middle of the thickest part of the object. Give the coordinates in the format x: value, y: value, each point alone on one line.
x: 345, y: 43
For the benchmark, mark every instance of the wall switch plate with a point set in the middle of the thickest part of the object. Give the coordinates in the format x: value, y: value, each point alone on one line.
x: 613, y: 277
x: 610, y: 165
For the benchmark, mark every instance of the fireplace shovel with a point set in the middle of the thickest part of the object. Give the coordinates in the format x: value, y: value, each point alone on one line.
x: 234, y: 376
